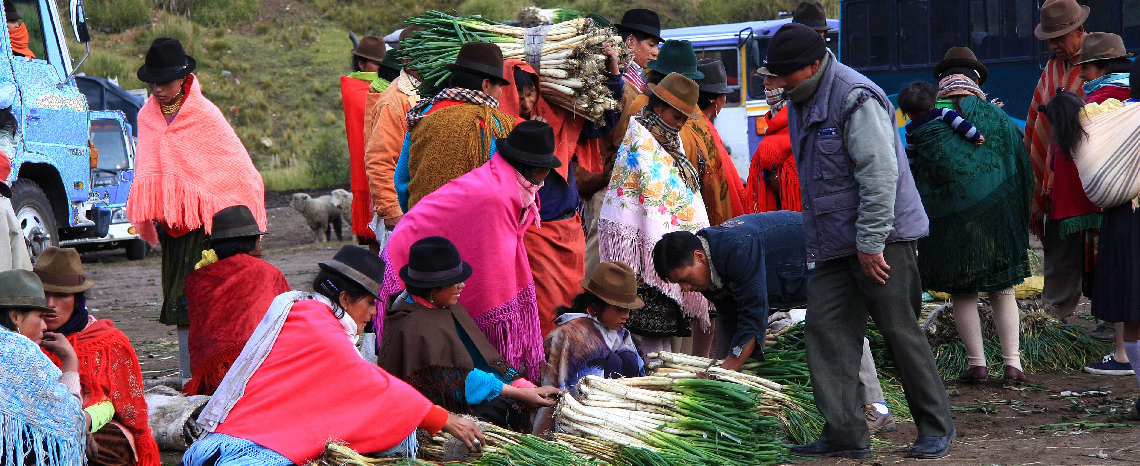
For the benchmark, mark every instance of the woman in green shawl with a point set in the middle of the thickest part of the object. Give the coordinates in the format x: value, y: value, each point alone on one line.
x: 977, y: 197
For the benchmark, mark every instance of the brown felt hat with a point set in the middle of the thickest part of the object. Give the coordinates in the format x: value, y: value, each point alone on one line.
x: 371, y: 48
x: 1102, y: 46
x: 616, y: 284
x: 962, y: 56
x: 481, y: 58
x: 21, y: 289
x: 61, y: 271
x: 680, y: 93
x: 1060, y: 17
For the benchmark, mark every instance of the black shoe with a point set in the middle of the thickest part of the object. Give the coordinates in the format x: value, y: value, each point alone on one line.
x: 929, y: 446
x: 820, y: 449
x: 1104, y: 331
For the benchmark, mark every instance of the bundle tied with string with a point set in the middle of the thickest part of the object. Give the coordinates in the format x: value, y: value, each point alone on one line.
x: 1109, y: 160
x: 569, y: 56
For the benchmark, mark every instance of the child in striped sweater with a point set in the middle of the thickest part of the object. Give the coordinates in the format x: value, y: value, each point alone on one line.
x: 918, y: 101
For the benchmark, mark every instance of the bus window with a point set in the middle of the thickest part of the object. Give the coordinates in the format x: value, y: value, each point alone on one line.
x: 930, y: 30
x: 867, y: 43
x: 1002, y: 29
x: 731, y: 60
x: 1102, y: 15
x: 1131, y: 31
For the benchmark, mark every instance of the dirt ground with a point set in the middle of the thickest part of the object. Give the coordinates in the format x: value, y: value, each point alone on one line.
x: 1027, y: 425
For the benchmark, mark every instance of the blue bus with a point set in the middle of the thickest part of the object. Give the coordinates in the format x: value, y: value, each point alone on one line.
x: 742, y: 47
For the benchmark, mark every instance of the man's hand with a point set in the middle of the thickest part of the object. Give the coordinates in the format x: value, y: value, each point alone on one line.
x: 875, y: 266
x: 611, y: 60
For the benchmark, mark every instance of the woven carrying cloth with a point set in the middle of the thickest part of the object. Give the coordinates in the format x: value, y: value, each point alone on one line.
x: 977, y: 198
x: 645, y: 199
x: 39, y: 419
x: 190, y: 169
x: 1109, y: 160
x: 482, y: 214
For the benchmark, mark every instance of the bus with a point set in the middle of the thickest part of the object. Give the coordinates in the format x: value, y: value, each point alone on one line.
x: 742, y: 48
x: 895, y: 42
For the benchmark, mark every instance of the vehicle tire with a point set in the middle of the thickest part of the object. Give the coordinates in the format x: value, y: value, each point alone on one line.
x: 34, y: 217
x: 137, y: 249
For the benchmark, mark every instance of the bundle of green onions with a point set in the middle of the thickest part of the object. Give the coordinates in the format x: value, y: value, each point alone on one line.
x: 685, y: 420
x: 569, y: 57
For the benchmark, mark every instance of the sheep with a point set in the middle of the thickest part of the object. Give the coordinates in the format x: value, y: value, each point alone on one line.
x: 342, y: 199
x: 319, y: 213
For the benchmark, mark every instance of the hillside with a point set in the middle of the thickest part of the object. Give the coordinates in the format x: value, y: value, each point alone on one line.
x: 273, y: 66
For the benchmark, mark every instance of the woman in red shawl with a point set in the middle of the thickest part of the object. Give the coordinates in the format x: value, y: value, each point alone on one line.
x: 300, y: 382
x: 109, y: 372
x: 772, y: 177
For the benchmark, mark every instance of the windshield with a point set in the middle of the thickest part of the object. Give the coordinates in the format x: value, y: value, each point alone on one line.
x: 108, y: 138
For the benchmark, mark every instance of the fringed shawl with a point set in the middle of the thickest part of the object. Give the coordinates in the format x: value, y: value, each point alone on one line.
x: 773, y: 159
x: 481, y: 212
x: 38, y: 416
x: 574, y: 347
x: 354, y: 96
x: 1038, y: 135
x: 190, y: 169
x: 299, y: 382
x: 421, y: 346
x: 644, y: 200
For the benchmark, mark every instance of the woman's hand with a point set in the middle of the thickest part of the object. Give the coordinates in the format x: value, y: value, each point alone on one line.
x: 464, y: 429
x: 538, y: 397
x: 612, y: 64
x: 58, y: 344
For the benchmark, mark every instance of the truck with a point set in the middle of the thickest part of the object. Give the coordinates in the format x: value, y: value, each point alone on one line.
x: 61, y: 192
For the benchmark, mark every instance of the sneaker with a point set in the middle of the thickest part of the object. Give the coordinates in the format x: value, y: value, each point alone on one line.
x: 1104, y: 331
x: 879, y: 418
x: 1110, y: 366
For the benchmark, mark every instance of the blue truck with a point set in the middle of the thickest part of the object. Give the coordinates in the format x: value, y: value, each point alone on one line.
x: 63, y: 191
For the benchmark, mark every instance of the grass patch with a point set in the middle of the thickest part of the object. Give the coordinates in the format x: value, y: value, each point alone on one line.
x: 117, y: 15
x: 286, y: 179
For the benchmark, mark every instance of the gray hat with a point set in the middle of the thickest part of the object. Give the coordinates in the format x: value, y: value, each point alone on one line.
x: 22, y: 289
x: 715, y: 80
x: 235, y: 221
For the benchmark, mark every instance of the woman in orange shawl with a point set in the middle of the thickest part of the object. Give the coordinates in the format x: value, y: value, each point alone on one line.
x: 17, y: 31
x: 109, y: 371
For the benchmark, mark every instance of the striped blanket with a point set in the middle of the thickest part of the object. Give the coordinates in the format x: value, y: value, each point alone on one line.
x: 1109, y: 160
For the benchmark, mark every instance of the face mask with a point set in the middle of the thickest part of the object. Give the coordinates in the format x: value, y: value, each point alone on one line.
x: 776, y: 98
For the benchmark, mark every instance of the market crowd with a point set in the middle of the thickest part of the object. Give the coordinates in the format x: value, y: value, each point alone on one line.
x: 515, y: 247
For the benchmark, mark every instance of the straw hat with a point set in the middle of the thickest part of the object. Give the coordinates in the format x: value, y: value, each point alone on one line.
x: 680, y: 93
x: 21, y: 289
x: 616, y: 284
x: 1060, y: 17
x: 61, y: 271
x: 1102, y: 46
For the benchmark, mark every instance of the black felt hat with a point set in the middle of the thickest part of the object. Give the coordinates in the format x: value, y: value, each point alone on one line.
x: 10, y: 13
x: 530, y: 143
x: 482, y: 58
x: 359, y: 265
x: 434, y: 262
x: 793, y: 47
x: 716, y: 79
x: 165, y: 62
x: 392, y: 60
x: 812, y: 15
x: 235, y: 221
x: 641, y: 20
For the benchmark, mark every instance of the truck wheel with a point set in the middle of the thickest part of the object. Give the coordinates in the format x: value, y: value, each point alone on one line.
x: 34, y: 216
x: 137, y: 249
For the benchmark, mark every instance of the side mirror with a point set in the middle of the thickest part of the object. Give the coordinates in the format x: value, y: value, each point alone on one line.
x: 79, y: 22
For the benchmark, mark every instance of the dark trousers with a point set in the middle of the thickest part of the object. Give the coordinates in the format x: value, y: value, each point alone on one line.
x: 840, y: 297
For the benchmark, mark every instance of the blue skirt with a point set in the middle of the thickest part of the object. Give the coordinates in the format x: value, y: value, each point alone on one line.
x: 1116, y: 290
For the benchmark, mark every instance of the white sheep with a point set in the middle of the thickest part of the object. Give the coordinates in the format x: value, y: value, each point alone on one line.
x: 342, y: 199
x: 319, y: 213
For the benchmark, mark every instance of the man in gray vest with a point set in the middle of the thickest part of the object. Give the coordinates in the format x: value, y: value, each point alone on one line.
x: 862, y: 216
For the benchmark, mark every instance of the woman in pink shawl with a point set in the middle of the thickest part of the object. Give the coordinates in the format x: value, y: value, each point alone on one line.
x: 485, y: 213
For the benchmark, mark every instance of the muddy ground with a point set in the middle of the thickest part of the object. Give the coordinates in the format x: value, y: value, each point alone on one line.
x: 1032, y: 424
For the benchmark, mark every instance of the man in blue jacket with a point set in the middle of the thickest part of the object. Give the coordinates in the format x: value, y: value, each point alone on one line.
x: 745, y: 266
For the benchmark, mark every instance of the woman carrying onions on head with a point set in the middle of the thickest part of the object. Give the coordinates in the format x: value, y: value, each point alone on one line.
x: 300, y: 381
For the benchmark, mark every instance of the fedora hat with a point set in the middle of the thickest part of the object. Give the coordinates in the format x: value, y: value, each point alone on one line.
x: 962, y: 56
x: 235, y: 221
x: 1060, y: 17
x: 680, y: 93
x: 715, y: 80
x: 641, y: 20
x: 392, y: 60
x: 359, y: 265
x: 370, y: 48
x: 616, y: 284
x: 1102, y: 46
x: 165, y: 61
x: 61, y: 271
x: 812, y: 15
x: 677, y: 56
x: 22, y: 289
x: 530, y: 143
x: 481, y: 58
x: 434, y: 262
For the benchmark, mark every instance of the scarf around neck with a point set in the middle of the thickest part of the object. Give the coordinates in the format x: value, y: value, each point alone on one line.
x: 528, y: 193
x: 458, y: 94
x: 1111, y: 79
x: 805, y: 91
x: 78, y: 320
x: 669, y: 138
x: 777, y: 99
x: 959, y: 85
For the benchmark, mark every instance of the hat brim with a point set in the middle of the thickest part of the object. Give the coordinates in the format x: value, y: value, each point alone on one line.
x: 86, y: 285
x: 1041, y: 34
x: 656, y: 34
x: 1127, y: 55
x: 339, y: 268
x: 719, y: 88
x: 478, y: 71
x: 366, y: 56
x: 694, y: 75
x: 983, y: 72
x: 527, y: 158
x: 672, y: 100
x: 147, y: 76
x: 33, y: 307
x: 240, y: 233
x: 460, y: 278
x: 637, y: 303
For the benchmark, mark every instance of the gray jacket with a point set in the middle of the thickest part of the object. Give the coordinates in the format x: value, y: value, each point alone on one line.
x: 856, y: 185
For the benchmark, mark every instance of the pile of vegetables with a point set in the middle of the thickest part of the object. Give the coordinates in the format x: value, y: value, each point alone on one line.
x: 571, y: 64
